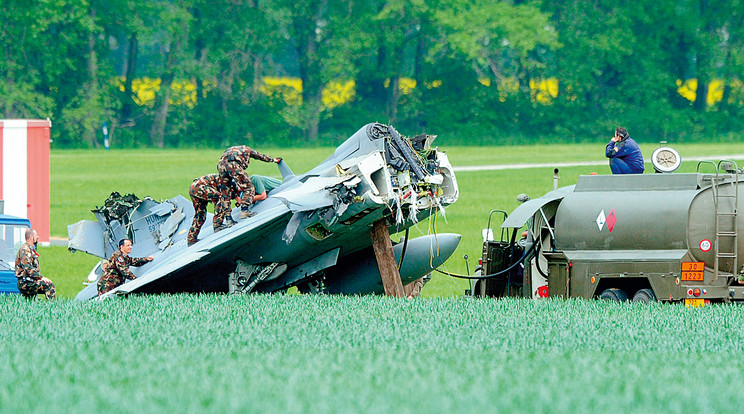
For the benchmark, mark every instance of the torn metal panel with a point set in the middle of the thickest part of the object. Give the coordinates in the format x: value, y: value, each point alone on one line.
x: 118, y: 207
x: 291, y: 229
x: 304, y: 228
x: 310, y: 196
x: 169, y: 227
x: 163, y: 208
x: 86, y: 236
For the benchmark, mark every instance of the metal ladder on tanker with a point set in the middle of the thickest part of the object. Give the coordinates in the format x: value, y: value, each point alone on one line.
x: 726, y: 200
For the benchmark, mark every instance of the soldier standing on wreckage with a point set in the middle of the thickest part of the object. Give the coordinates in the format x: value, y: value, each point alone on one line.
x: 30, y: 281
x: 232, y: 166
x: 208, y: 188
x: 117, y: 268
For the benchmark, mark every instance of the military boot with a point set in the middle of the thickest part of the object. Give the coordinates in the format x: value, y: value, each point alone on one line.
x: 245, y: 213
x: 229, y: 222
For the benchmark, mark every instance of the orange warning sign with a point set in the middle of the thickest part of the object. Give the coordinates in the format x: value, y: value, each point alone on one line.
x: 693, y: 266
x: 693, y: 271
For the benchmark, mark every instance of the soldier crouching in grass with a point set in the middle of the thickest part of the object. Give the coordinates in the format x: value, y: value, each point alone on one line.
x: 117, y: 268
x: 30, y: 281
x: 206, y: 189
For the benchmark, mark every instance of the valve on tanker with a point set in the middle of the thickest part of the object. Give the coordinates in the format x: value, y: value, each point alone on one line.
x: 729, y: 167
x: 556, y: 177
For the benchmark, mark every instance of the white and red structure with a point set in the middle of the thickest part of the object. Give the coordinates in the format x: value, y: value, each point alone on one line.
x: 24, y: 170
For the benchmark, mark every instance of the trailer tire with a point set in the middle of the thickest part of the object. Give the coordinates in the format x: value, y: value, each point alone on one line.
x: 644, y: 296
x: 614, y: 295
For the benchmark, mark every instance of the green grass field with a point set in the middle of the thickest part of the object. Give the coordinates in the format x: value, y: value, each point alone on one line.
x: 82, y: 179
x: 319, y: 353
x: 293, y: 353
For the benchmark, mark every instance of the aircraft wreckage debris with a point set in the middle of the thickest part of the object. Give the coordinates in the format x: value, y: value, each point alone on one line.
x: 312, y: 232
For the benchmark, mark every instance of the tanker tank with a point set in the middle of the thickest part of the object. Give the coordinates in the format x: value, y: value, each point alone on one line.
x: 669, y: 237
x: 651, y: 213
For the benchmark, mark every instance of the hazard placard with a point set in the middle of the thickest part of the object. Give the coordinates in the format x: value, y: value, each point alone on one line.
x: 693, y: 271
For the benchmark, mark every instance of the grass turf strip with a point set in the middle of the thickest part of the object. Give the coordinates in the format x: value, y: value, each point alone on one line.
x: 370, y: 354
x: 82, y: 179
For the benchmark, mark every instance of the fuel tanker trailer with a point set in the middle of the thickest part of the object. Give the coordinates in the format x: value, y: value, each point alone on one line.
x: 671, y: 237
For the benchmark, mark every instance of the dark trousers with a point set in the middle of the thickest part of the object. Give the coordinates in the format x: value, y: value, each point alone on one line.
x: 618, y: 166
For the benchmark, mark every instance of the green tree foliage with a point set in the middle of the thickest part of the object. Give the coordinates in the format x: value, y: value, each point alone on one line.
x: 27, y: 86
x: 169, y: 73
x: 234, y: 44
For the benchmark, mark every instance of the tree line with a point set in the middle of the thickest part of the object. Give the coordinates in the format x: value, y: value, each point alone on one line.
x: 477, y: 71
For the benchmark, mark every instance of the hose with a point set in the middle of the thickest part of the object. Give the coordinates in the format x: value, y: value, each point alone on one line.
x: 492, y: 275
x: 403, y: 253
x: 537, y: 262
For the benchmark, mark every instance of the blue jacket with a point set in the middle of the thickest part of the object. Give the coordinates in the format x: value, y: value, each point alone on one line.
x: 628, y: 151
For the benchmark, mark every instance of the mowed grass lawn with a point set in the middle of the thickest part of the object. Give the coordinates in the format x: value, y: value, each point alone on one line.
x: 83, y: 179
x: 320, y: 353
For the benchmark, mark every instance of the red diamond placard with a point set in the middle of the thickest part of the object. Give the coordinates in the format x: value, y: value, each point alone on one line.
x: 611, y: 220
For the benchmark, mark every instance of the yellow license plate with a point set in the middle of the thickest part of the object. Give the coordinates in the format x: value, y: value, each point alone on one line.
x: 692, y: 303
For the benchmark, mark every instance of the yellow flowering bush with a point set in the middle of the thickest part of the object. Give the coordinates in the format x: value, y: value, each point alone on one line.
x: 144, y: 90
x: 688, y: 89
x: 337, y: 93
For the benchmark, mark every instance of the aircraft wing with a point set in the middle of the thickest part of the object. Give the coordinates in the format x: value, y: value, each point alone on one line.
x: 187, y: 263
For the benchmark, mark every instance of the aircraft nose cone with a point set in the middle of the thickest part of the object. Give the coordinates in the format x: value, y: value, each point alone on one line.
x: 446, y: 244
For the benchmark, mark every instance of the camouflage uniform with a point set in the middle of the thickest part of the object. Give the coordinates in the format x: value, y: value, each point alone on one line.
x: 203, y: 190
x: 232, y: 166
x: 413, y: 289
x: 117, y: 270
x: 30, y: 281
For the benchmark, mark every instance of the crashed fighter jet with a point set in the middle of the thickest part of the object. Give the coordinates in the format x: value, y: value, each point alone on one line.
x: 312, y: 232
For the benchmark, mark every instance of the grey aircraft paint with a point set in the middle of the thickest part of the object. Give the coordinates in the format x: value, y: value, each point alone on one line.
x: 305, y: 233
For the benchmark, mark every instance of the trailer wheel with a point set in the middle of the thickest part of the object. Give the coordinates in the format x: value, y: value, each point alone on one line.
x: 614, y: 295
x: 644, y: 296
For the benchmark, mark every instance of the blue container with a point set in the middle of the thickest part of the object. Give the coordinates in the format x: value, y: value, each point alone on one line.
x: 12, y: 237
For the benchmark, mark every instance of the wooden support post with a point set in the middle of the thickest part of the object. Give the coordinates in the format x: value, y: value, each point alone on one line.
x: 386, y: 259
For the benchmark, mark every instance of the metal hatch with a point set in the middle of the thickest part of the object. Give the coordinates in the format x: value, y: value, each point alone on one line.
x: 521, y: 214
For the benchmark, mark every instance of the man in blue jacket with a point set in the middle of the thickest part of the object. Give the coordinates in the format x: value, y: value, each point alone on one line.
x: 624, y: 154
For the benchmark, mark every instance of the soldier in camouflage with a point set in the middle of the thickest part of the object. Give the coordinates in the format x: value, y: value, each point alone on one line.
x: 413, y: 289
x: 206, y: 189
x: 30, y: 281
x: 232, y: 166
x: 117, y: 268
